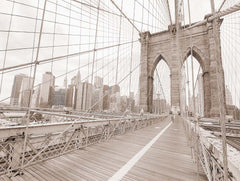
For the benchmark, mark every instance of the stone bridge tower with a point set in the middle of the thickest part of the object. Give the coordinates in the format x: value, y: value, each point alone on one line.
x: 174, y: 48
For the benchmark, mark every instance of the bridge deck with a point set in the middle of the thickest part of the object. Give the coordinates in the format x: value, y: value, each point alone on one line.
x: 169, y: 158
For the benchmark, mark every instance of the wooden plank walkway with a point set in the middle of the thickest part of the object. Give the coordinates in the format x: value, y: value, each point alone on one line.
x: 168, y: 159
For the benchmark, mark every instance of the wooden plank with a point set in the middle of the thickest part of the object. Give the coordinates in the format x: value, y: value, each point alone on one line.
x: 169, y: 158
x: 5, y: 178
x: 33, y: 174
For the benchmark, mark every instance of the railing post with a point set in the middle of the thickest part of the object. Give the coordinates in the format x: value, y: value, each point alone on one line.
x: 14, y: 147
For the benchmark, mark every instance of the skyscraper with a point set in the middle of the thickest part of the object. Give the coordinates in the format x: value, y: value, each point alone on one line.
x: 114, y: 89
x: 79, y: 92
x: 115, y: 98
x: 59, y: 97
x: 131, y: 102
x: 35, y: 97
x: 97, y: 98
x: 98, y: 82
x: 26, y: 91
x: 106, y: 97
x: 69, y: 96
x: 47, y: 90
x: 17, y: 83
x: 74, y: 82
x: 87, y: 95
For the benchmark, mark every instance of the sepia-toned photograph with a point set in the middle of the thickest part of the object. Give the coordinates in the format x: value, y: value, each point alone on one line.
x: 119, y: 90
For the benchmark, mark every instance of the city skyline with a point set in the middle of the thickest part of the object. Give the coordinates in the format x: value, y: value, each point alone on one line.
x: 78, y: 95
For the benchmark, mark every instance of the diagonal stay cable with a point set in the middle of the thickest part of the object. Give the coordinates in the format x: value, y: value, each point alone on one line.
x: 161, y: 84
x: 65, y: 56
x: 125, y: 16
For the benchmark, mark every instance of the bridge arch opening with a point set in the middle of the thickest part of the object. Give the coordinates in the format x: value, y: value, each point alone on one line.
x: 192, y: 83
x: 160, y: 92
x: 197, y: 55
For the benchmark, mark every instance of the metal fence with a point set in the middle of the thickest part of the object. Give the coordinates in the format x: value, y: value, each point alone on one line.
x: 17, y: 152
x: 203, y: 155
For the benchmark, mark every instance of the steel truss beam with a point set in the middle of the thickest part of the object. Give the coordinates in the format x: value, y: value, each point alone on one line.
x: 43, y: 145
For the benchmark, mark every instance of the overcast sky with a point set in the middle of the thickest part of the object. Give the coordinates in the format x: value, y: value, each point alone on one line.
x: 79, y: 32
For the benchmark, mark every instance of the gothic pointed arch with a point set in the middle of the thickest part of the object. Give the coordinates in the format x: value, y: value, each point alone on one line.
x: 157, y: 59
x: 198, y: 54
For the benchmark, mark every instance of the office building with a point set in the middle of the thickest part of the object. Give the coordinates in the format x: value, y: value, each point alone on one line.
x: 59, y: 97
x: 17, y: 83
x: 106, y: 97
x: 26, y: 91
x: 47, y: 90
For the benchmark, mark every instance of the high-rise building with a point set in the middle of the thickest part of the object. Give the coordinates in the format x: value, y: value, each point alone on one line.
x: 97, y: 97
x: 26, y: 91
x: 160, y: 106
x: 74, y: 83
x: 114, y: 89
x: 47, y: 90
x: 115, y: 101
x: 131, y: 102
x: 87, y: 96
x: 69, y: 96
x: 98, y: 82
x: 123, y: 103
x: 156, y: 106
x: 59, y: 97
x: 35, y: 97
x: 17, y: 83
x: 106, y: 97
x: 115, y: 98
x: 79, y: 93
x: 79, y: 97
x: 65, y: 82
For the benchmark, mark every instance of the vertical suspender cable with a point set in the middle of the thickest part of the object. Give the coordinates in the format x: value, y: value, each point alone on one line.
x: 6, y: 47
x: 193, y: 96
x: 119, y: 40
x: 95, y: 42
x: 184, y: 23
x: 193, y: 91
x: 142, y: 16
x: 196, y: 122
x: 33, y: 44
x: 108, y: 31
x: 34, y: 76
x: 188, y: 88
x: 187, y: 83
x: 69, y: 29
x: 220, y: 82
x: 130, y: 70
x: 89, y: 38
x: 148, y: 15
x: 153, y: 17
x: 54, y: 34
x: 169, y: 12
x: 80, y: 32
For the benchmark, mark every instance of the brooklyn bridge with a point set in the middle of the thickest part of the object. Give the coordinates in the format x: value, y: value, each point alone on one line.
x: 120, y: 90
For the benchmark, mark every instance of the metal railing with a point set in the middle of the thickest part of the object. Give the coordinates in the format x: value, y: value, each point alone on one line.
x: 40, y: 147
x: 212, y: 166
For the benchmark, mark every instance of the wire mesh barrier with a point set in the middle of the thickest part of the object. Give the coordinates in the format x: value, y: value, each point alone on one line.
x: 40, y: 147
x: 202, y: 152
